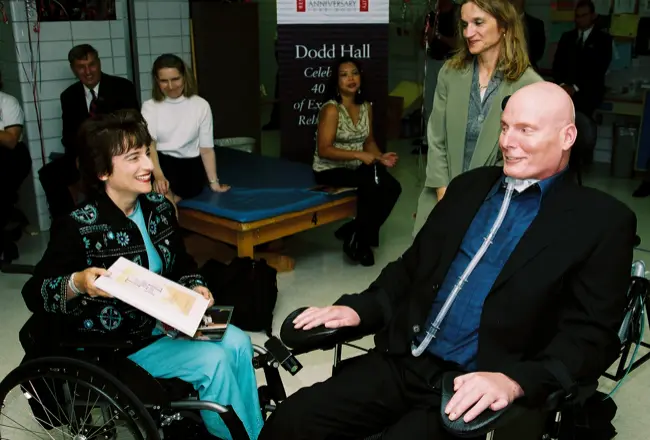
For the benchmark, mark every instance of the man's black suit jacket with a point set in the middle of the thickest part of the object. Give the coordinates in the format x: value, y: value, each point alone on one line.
x: 115, y: 93
x: 560, y: 296
x: 535, y: 38
x: 585, y: 68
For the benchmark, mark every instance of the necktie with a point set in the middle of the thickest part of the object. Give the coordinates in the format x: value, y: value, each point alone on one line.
x: 581, y: 41
x: 92, y: 108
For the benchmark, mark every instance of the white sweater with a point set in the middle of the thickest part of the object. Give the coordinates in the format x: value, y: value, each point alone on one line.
x: 180, y: 126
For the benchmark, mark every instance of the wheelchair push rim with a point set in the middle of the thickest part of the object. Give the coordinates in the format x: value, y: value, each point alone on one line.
x: 76, y: 376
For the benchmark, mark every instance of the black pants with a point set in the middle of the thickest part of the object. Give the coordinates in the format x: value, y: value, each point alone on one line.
x: 55, y: 178
x: 15, y: 164
x: 376, y: 197
x: 374, y: 393
x: 186, y: 177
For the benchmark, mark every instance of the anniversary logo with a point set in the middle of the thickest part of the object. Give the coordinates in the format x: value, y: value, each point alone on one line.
x: 312, y: 36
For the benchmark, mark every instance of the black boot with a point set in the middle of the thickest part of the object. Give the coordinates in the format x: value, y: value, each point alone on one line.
x: 358, y: 251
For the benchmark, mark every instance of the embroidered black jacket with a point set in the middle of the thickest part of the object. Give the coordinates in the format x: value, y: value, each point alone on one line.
x: 96, y: 235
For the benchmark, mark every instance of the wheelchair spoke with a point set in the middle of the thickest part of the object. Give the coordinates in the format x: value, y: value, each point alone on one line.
x: 25, y: 429
x: 47, y: 410
x: 56, y: 399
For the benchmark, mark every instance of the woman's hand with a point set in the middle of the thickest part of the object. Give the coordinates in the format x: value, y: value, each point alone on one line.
x: 85, y: 282
x: 160, y: 184
x: 216, y: 187
x: 205, y: 292
x: 389, y: 159
x: 367, y: 158
x: 440, y: 192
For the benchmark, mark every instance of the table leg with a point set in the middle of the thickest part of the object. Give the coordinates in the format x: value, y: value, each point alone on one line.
x: 245, y: 247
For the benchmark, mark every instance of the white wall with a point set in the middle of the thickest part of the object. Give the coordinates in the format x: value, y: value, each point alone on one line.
x: 161, y: 27
x: 50, y: 46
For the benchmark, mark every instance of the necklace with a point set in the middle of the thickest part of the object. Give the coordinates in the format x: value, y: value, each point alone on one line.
x: 483, y: 87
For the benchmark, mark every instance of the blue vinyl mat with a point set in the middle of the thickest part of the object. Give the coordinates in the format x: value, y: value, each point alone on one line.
x: 262, y: 187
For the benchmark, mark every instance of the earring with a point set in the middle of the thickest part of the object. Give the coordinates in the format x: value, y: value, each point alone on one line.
x: 359, y: 91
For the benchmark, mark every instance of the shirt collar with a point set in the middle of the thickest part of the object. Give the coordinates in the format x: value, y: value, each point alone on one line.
x: 87, y: 90
x: 522, y: 185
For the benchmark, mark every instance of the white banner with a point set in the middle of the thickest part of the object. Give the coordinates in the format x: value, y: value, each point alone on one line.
x: 332, y: 11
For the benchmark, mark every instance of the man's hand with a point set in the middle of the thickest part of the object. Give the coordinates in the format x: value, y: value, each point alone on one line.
x: 480, y: 391
x: 330, y: 317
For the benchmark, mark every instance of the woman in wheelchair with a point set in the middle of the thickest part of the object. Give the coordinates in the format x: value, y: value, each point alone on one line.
x: 124, y: 218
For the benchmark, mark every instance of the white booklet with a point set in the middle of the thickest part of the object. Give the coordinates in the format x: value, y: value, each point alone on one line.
x: 169, y: 302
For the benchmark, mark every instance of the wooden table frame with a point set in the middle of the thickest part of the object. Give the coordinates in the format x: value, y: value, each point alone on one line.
x: 247, y: 235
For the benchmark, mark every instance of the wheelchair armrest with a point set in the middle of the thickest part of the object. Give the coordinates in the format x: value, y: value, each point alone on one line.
x: 484, y: 423
x: 490, y: 420
x: 319, y: 338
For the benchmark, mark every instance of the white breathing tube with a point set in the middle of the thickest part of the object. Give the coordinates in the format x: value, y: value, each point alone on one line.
x: 435, y: 326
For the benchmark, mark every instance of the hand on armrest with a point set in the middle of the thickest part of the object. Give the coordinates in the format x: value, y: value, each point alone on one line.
x: 312, y: 328
x: 474, y: 404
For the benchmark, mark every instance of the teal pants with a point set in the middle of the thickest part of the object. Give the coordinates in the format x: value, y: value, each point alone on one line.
x: 221, y: 372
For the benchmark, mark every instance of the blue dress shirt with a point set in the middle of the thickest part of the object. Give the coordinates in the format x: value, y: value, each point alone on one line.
x: 457, y: 339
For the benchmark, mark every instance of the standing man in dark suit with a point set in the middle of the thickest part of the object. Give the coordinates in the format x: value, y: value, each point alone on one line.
x: 582, y: 58
x: 95, y: 93
x: 535, y: 34
x: 532, y: 307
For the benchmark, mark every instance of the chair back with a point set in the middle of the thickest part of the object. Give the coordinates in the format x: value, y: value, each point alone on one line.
x: 587, y: 133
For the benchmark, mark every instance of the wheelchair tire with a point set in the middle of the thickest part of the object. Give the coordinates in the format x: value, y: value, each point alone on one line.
x: 89, y: 375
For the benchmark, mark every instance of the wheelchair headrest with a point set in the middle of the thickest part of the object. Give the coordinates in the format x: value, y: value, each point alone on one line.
x: 587, y: 132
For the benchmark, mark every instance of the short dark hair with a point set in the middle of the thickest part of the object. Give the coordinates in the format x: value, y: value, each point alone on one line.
x: 586, y: 3
x: 171, y: 61
x: 332, y: 88
x: 81, y: 52
x: 103, y: 137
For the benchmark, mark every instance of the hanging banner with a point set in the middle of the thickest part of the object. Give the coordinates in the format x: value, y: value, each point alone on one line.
x: 312, y: 36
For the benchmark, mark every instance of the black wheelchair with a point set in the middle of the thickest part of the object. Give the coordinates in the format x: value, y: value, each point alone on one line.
x: 515, y: 422
x: 83, y: 389
x: 89, y: 390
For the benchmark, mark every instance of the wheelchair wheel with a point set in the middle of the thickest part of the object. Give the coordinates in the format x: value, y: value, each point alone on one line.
x: 63, y: 398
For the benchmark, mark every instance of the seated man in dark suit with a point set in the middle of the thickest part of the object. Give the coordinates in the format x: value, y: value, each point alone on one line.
x: 95, y: 93
x: 582, y: 58
x: 535, y: 35
x: 545, y: 298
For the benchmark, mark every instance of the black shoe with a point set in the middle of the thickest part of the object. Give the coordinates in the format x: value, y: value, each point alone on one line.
x: 358, y: 252
x: 643, y: 190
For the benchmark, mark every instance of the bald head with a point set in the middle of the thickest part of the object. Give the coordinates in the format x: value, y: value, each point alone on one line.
x: 550, y: 100
x: 538, y: 130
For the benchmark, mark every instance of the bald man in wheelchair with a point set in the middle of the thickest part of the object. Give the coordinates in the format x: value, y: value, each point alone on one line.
x: 518, y: 281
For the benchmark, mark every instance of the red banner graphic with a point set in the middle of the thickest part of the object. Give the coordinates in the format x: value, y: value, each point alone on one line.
x: 363, y: 5
x: 301, y: 5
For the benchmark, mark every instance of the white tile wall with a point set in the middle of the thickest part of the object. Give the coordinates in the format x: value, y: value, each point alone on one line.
x: 49, y: 52
x: 161, y: 27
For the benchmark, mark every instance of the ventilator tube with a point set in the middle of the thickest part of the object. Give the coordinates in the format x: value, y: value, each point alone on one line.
x: 435, y: 326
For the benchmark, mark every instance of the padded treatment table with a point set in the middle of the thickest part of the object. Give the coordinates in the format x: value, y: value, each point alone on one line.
x: 270, y: 198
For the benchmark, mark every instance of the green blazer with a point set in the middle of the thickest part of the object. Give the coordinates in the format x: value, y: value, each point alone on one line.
x: 447, y: 125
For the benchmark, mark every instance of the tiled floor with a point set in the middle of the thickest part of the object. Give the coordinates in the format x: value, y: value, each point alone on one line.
x: 321, y: 275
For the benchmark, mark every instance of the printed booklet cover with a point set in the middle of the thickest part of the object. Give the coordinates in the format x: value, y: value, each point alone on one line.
x: 169, y: 302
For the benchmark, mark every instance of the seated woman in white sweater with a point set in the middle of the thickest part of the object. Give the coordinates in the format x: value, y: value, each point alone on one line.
x: 180, y: 123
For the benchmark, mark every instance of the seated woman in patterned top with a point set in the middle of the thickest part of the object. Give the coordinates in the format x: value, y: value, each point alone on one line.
x: 124, y: 218
x: 347, y: 156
